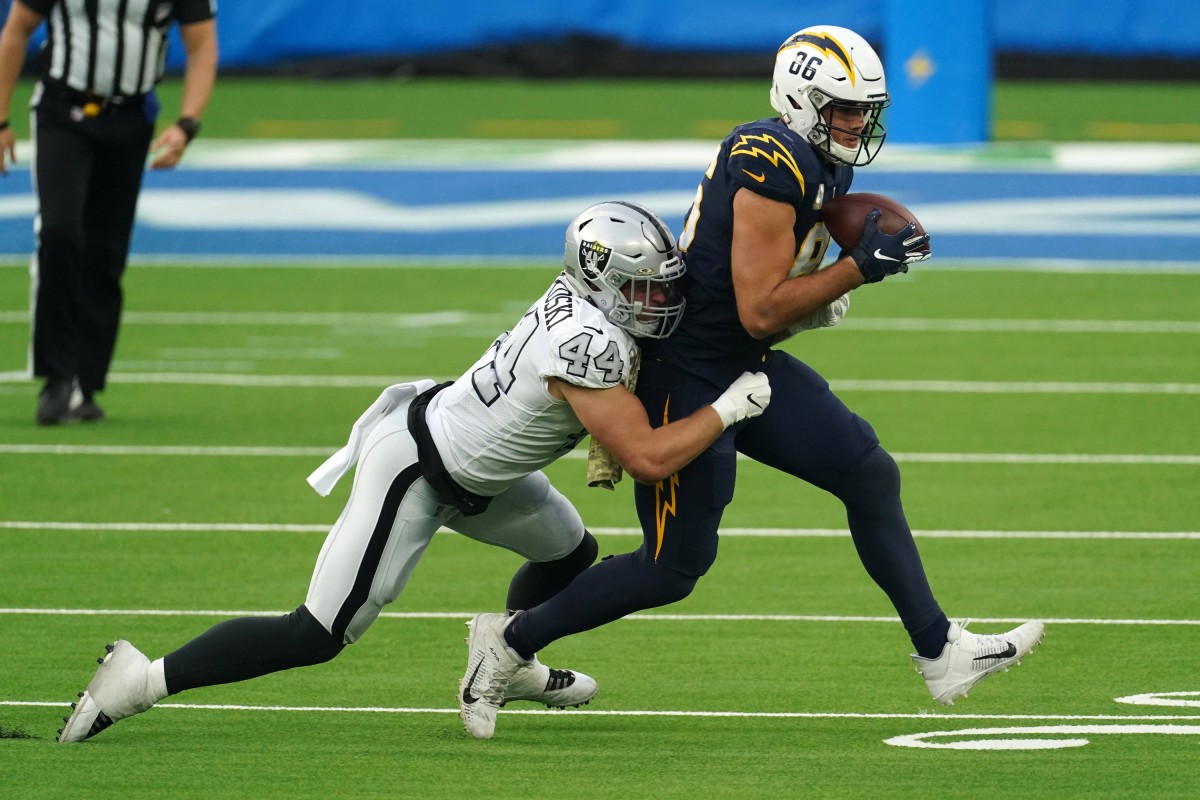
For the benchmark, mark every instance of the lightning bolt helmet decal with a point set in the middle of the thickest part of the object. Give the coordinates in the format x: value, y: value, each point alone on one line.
x: 826, y: 44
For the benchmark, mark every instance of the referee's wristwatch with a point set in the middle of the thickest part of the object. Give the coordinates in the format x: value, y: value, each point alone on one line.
x: 190, y: 127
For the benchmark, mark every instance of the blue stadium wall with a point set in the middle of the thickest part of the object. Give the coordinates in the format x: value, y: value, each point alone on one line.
x: 265, y: 33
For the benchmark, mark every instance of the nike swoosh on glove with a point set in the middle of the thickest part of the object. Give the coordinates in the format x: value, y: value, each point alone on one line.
x: 880, y: 254
x: 747, y: 397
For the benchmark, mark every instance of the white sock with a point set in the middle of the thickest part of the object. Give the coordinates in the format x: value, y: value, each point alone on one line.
x: 156, y: 680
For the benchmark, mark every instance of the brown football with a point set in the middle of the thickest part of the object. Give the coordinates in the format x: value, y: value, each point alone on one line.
x: 844, y: 216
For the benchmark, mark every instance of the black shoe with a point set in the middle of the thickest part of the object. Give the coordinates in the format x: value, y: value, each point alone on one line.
x: 54, y: 403
x: 87, y: 411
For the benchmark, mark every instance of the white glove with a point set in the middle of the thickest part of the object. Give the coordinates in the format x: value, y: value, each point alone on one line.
x: 746, y: 398
x: 825, y: 317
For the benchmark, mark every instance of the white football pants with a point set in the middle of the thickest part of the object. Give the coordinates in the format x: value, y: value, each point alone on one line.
x: 391, y: 516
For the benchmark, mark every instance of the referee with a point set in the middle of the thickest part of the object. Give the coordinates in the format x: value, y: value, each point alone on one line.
x: 93, y: 118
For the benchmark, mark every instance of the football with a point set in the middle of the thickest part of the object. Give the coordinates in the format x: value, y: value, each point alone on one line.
x: 844, y: 216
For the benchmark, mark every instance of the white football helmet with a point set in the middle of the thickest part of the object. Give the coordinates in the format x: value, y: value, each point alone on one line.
x: 829, y: 66
x: 622, y: 258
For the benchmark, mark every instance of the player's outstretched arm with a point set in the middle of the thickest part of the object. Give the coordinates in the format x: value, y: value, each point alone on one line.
x: 617, y: 419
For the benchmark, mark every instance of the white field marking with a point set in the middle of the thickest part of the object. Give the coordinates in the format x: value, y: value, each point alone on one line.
x: 175, y: 355
x: 164, y: 450
x: 263, y: 209
x: 1037, y: 742
x: 597, y: 712
x: 1015, y: 387
x: 578, y: 455
x: 639, y: 617
x: 458, y: 319
x: 1037, y: 738
x: 1044, y: 458
x: 676, y: 154
x: 1162, y: 699
x: 1076, y: 216
x: 437, y: 319
x: 377, y: 381
x: 347, y: 209
x: 763, y: 533
x: 1021, y: 325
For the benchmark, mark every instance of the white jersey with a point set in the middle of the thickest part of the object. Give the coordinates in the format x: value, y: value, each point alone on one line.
x: 498, y: 422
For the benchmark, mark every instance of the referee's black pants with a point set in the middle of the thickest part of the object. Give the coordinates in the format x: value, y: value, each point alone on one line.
x: 87, y: 174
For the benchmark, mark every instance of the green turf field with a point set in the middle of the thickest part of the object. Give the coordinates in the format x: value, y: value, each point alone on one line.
x: 431, y: 108
x: 1047, y: 426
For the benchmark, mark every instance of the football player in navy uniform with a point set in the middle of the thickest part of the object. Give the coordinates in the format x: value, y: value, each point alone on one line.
x: 753, y: 242
x: 467, y: 455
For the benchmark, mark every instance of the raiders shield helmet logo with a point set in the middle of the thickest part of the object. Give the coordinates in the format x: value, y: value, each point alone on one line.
x: 593, y: 258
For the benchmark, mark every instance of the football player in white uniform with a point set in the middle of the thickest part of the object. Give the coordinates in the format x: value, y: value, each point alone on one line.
x: 466, y: 456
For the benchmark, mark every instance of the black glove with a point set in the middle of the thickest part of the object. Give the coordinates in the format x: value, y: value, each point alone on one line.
x: 880, y: 254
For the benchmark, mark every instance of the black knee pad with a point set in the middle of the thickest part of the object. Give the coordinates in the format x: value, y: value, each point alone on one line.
x: 562, y: 570
x: 536, y: 582
x: 310, y: 636
x: 578, y: 559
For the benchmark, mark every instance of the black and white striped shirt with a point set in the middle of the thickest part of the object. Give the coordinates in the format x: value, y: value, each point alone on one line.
x: 112, y: 47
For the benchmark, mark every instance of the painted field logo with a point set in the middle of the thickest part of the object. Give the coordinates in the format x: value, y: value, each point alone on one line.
x: 1053, y: 737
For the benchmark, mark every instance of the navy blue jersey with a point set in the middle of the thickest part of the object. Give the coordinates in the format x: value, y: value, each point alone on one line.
x: 765, y: 157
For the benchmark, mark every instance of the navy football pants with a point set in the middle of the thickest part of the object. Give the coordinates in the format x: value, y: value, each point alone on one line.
x: 807, y: 432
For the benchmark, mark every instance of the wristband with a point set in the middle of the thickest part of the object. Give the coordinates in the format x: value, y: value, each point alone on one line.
x: 190, y: 127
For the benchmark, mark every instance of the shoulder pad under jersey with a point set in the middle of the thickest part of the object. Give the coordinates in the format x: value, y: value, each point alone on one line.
x: 588, y: 350
x: 767, y: 160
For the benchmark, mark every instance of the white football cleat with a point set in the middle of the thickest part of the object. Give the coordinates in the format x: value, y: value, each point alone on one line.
x: 969, y: 657
x: 556, y: 688
x: 119, y: 689
x: 491, y: 665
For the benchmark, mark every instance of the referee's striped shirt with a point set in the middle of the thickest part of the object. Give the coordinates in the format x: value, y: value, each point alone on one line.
x: 112, y: 47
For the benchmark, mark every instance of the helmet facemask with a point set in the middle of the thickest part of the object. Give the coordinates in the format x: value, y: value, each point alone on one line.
x: 826, y: 131
x: 651, y: 306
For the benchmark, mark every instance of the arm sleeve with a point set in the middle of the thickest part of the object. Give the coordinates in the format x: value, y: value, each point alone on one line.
x: 190, y: 11
x: 41, y: 7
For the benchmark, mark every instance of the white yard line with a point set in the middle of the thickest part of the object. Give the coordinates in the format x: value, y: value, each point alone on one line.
x: 907, y: 386
x: 322, y: 452
x: 164, y: 450
x: 784, y: 533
